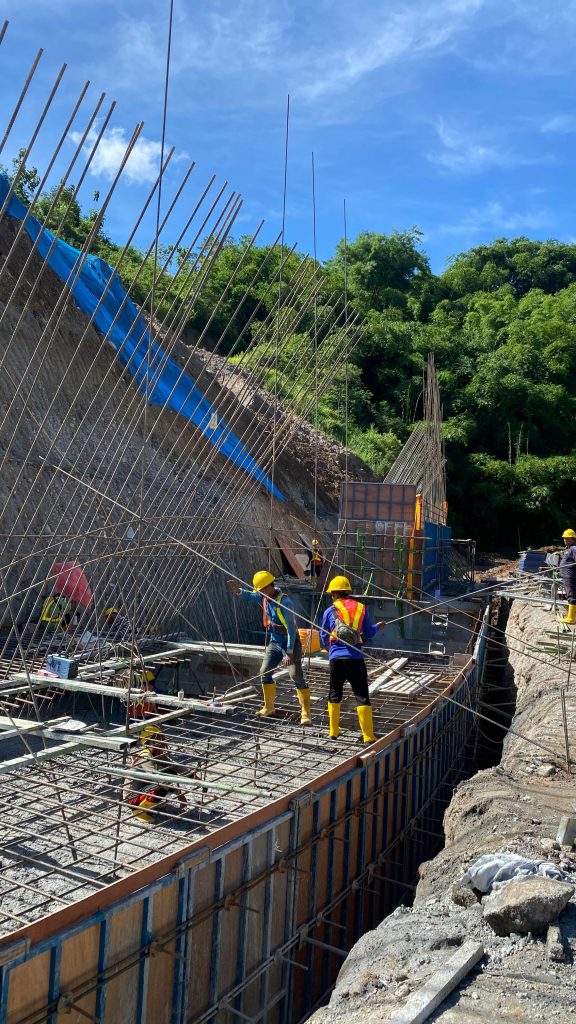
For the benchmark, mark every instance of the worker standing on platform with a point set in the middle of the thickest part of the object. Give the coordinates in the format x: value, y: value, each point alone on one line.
x: 345, y: 627
x: 315, y: 560
x: 568, y: 574
x: 282, y: 641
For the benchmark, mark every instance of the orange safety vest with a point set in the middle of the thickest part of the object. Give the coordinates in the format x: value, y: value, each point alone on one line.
x: 352, y: 613
x: 266, y: 618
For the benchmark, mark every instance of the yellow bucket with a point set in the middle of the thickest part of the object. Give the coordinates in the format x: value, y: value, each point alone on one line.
x: 310, y: 640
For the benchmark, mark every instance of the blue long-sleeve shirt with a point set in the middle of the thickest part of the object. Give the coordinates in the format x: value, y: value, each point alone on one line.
x: 568, y: 563
x: 286, y: 640
x: 337, y: 648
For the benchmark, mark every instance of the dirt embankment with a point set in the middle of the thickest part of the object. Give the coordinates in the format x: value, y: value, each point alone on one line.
x: 516, y: 808
x: 79, y: 452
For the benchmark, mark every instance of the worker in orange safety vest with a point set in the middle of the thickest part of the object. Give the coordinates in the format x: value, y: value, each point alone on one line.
x: 345, y: 627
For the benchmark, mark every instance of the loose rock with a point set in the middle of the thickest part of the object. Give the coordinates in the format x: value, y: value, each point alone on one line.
x: 554, y: 944
x: 463, y: 895
x: 526, y: 906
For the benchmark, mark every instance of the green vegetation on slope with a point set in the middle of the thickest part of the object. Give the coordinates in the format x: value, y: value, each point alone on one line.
x: 501, y: 321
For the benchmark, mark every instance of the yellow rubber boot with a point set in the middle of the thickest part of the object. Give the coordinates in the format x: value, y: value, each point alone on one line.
x: 142, y: 812
x: 269, y: 694
x: 366, y: 723
x: 334, y: 719
x: 303, y: 695
x: 570, y: 618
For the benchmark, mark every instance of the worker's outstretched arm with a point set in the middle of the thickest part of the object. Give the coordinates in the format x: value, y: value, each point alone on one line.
x: 368, y: 628
x: 243, y: 593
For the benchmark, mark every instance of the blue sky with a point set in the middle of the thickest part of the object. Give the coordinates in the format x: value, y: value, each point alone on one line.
x: 457, y: 116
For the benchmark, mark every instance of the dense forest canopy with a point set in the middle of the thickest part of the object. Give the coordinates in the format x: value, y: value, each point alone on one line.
x: 501, y: 321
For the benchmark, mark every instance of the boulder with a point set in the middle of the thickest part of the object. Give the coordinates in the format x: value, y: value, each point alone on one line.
x: 526, y: 905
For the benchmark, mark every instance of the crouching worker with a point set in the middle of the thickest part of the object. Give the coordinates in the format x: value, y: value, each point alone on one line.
x: 345, y: 627
x: 282, y: 642
x: 144, y: 796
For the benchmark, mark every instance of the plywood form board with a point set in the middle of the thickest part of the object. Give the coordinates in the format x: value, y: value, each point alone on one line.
x: 125, y: 936
x: 290, y: 557
x: 361, y: 500
x: 201, y: 935
x: 29, y: 988
x: 161, y: 967
x: 79, y: 965
x: 256, y: 940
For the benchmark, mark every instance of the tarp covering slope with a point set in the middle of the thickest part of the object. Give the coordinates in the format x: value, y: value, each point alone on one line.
x: 99, y: 293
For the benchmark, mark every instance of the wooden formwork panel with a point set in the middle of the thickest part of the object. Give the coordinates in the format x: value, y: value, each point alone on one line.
x: 78, y: 966
x: 385, y: 502
x: 29, y: 988
x: 160, y: 980
x: 125, y: 937
x: 200, y: 939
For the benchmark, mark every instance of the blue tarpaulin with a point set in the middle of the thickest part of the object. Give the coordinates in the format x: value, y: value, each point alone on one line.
x: 437, y: 541
x: 99, y: 293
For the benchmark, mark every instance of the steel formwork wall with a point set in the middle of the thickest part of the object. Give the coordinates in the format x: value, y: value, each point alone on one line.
x: 254, y: 921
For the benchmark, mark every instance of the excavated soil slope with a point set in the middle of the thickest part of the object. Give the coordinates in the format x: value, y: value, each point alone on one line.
x: 75, y: 462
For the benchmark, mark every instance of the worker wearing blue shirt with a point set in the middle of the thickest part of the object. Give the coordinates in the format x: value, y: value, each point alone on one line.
x: 568, y: 574
x: 345, y: 627
x: 283, y: 643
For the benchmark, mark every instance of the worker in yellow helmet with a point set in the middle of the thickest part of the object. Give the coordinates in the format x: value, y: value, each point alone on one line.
x: 315, y: 559
x: 144, y: 797
x: 568, y: 574
x: 345, y: 627
x: 115, y: 626
x: 282, y: 642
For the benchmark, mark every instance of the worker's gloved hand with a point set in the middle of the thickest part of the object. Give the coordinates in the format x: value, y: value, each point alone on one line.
x: 234, y: 587
x: 379, y: 625
x: 288, y: 659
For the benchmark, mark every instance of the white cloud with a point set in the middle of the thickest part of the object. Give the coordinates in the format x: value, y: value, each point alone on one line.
x: 494, y: 217
x: 560, y: 124
x: 463, y: 152
x: 142, y: 166
x: 315, y: 51
x: 408, y: 35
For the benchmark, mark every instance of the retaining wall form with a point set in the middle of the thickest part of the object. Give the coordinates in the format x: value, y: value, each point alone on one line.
x: 253, y: 921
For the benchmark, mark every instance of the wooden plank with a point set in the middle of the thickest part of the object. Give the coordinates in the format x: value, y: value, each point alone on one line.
x: 29, y: 988
x: 426, y: 999
x: 158, y: 1005
x: 291, y: 558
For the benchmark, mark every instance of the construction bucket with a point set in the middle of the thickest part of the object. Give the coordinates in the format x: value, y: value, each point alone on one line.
x: 310, y: 640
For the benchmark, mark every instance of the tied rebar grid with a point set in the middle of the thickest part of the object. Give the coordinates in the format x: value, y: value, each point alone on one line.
x: 61, y: 838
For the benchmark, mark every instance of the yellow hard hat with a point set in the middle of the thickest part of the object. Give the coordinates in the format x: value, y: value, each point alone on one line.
x: 145, y: 675
x: 339, y: 583
x: 149, y: 732
x: 262, y: 579
x: 111, y: 611
x: 315, y: 542
x: 569, y: 533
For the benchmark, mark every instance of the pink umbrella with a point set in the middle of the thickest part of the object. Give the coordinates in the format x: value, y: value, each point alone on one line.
x: 71, y: 582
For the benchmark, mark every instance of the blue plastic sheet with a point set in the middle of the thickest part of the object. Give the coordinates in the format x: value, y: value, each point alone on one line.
x: 116, y: 316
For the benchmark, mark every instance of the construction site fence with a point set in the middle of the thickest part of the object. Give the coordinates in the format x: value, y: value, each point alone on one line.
x: 253, y: 921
